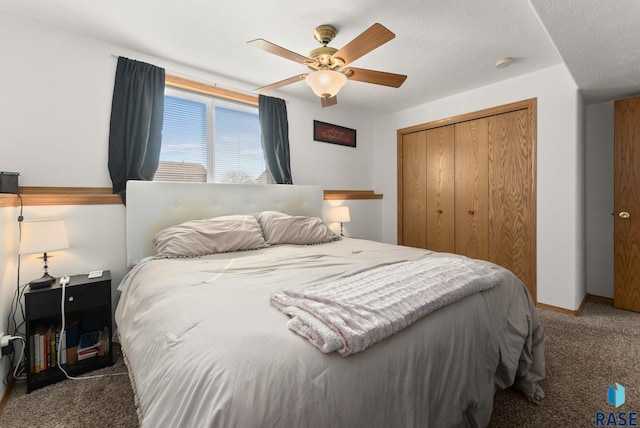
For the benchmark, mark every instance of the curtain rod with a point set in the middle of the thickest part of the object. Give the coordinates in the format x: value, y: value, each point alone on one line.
x: 201, y: 80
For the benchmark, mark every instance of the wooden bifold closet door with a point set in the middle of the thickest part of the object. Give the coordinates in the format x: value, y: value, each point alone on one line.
x: 440, y: 190
x: 466, y: 185
x: 472, y: 189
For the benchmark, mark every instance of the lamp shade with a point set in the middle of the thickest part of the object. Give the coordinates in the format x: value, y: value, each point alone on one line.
x: 326, y: 83
x: 43, y: 236
x: 339, y: 215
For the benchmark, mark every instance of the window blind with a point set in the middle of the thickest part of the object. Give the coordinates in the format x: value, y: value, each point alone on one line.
x: 206, y: 139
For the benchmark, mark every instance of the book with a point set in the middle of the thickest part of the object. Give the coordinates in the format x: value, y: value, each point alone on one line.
x: 36, y: 352
x: 73, y: 333
x: 71, y: 340
x: 55, y: 332
x: 43, y: 348
x: 47, y: 347
x: 62, y: 344
x: 104, y: 342
x: 47, y: 344
x: 32, y: 361
x: 72, y: 355
x: 89, y: 344
x: 87, y: 353
x: 89, y: 340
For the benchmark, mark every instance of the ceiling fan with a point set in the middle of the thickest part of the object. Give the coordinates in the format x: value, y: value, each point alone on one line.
x: 329, y: 65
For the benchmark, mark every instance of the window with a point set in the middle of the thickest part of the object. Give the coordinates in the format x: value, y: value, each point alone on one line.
x: 209, y: 139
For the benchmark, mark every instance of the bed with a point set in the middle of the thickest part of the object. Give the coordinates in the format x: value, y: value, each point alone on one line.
x: 206, y: 346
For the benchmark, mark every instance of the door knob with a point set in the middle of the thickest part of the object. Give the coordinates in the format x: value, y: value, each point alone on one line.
x: 623, y: 214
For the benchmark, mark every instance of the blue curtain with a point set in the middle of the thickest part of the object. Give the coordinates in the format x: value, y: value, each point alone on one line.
x: 135, y: 134
x: 274, y: 128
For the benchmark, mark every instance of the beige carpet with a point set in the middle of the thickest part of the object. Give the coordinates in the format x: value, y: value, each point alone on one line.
x: 100, y: 402
x: 585, y: 355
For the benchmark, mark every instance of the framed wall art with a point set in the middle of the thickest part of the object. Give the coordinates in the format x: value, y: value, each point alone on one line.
x: 334, y: 134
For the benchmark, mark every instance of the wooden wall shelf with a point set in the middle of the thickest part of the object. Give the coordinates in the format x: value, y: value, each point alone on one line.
x: 41, y: 196
x: 350, y: 194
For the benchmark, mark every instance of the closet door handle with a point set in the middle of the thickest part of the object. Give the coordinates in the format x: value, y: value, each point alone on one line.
x: 624, y: 214
x: 439, y: 211
x: 472, y: 212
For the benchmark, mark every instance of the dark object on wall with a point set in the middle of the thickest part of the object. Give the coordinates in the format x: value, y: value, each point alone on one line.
x: 9, y: 182
x: 334, y: 134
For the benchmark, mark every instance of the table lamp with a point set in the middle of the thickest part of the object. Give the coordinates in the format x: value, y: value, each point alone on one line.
x: 43, y: 236
x: 339, y: 215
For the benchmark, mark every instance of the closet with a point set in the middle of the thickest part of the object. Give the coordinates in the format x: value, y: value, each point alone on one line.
x: 466, y: 185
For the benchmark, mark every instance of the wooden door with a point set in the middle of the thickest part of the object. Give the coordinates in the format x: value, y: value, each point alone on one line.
x: 440, y: 189
x: 413, y: 215
x: 626, y: 226
x: 511, y: 199
x: 471, y: 188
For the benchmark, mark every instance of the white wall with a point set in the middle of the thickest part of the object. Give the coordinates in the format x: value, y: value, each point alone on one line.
x: 96, y: 241
x: 366, y: 218
x: 55, y: 108
x: 599, y: 199
x: 560, y: 201
x: 580, y: 220
x: 58, y: 105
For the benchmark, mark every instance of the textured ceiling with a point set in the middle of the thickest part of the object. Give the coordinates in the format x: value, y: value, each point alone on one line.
x: 445, y: 47
x: 599, y: 41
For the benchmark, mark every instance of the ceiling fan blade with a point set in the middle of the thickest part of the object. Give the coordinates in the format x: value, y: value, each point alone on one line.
x: 377, y: 77
x: 373, y: 37
x: 328, y: 102
x: 279, y: 50
x: 280, y: 84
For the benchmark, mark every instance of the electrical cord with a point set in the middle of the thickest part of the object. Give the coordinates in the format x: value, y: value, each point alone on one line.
x: 9, y: 339
x: 63, y: 337
x: 18, y: 295
x: 16, y: 304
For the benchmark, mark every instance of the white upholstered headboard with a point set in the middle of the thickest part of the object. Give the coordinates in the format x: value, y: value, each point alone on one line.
x: 153, y: 206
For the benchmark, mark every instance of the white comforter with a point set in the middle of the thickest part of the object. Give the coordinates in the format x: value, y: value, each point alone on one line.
x: 205, y: 347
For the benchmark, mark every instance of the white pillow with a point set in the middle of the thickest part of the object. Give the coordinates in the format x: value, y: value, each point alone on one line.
x: 210, y: 236
x: 280, y: 228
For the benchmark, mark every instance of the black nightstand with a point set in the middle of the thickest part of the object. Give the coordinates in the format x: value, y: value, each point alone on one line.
x: 87, y: 309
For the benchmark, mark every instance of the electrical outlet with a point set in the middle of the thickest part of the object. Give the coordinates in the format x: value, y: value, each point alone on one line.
x: 5, y: 344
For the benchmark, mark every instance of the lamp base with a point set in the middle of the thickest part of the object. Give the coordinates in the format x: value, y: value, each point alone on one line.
x: 42, y: 282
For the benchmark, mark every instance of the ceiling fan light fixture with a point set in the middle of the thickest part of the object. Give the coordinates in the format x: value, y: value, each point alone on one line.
x: 326, y: 83
x: 326, y: 63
